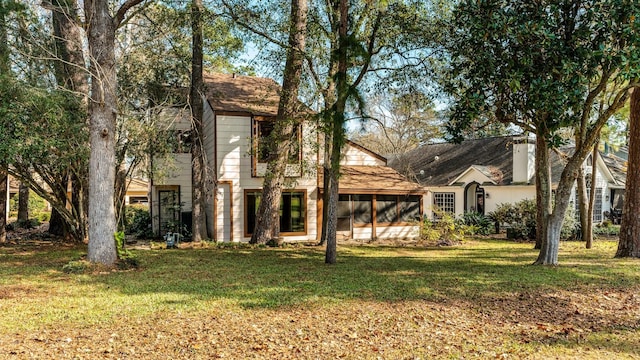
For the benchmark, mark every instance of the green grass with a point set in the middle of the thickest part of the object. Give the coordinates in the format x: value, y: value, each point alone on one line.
x: 36, y: 294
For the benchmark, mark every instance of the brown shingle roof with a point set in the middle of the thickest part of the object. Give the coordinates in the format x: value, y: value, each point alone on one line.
x: 237, y: 93
x: 374, y: 179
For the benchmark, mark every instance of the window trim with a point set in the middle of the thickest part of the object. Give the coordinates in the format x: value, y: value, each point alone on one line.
x: 444, y: 195
x: 248, y: 233
x: 255, y: 143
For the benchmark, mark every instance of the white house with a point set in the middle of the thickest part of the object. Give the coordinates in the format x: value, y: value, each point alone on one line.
x: 478, y: 175
x: 375, y: 200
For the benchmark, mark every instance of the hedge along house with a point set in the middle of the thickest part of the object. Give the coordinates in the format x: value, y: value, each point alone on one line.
x: 239, y: 114
x: 478, y: 175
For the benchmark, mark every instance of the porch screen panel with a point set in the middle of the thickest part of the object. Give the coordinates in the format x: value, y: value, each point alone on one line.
x: 344, y: 213
x: 362, y: 209
x: 387, y: 208
x: 410, y: 208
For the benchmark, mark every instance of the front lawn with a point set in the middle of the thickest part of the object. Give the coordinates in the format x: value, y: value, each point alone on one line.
x: 482, y: 299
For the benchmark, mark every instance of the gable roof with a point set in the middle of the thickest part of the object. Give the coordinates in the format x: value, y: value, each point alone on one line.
x: 443, y: 164
x: 440, y: 164
x: 244, y: 94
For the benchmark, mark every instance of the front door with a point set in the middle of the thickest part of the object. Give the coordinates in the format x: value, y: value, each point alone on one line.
x: 474, y: 198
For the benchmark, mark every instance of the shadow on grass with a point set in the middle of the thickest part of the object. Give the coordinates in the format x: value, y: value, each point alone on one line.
x: 492, y: 277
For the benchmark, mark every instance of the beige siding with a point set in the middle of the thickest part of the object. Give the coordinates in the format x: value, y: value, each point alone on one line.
x: 354, y: 156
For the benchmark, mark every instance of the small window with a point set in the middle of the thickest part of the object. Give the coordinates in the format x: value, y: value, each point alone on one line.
x: 445, y: 202
x: 264, y: 145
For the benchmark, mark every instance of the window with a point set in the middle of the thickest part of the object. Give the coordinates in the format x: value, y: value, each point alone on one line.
x: 445, y: 202
x: 264, y: 146
x: 292, y: 211
x: 397, y: 208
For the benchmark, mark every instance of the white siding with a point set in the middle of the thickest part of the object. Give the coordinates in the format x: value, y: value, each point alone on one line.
x: 397, y: 232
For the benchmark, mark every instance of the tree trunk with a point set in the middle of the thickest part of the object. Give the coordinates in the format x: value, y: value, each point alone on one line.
x: 337, y: 133
x: 23, y: 203
x: 120, y: 192
x: 4, y: 70
x: 629, y: 244
x: 198, y: 173
x: 587, y: 233
x: 583, y: 203
x: 102, y: 110
x: 543, y: 187
x: 4, y: 183
x: 71, y: 75
x: 287, y: 120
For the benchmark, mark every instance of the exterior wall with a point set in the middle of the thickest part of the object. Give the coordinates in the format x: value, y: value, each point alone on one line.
x: 352, y: 156
x: 178, y: 174
x: 398, y: 232
x: 235, y: 176
x: 497, y: 195
x: 208, y: 128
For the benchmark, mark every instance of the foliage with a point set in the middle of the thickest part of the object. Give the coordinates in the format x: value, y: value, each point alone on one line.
x: 476, y: 224
x: 126, y: 258
x: 445, y: 230
x: 520, y: 220
x: 606, y: 228
x: 36, y: 203
x: 76, y: 267
x: 138, y: 221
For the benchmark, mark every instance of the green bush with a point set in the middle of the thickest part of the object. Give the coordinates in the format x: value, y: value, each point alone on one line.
x: 36, y: 203
x: 445, y: 230
x: 474, y: 223
x: 520, y: 220
x: 138, y: 221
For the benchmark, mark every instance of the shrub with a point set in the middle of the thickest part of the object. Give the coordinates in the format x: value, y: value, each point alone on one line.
x: 474, y: 223
x: 520, y: 219
x: 138, y: 221
x: 445, y: 230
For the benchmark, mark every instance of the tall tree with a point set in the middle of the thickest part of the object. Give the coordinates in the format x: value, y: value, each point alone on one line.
x: 535, y: 65
x: 284, y: 136
x: 198, y: 169
x: 101, y: 28
x: 629, y: 244
x: 71, y: 74
x: 23, y: 203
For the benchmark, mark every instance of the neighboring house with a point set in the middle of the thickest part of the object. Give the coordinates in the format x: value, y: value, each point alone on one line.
x: 478, y: 175
x: 375, y: 200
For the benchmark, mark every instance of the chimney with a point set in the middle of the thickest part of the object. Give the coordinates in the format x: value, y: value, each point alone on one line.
x: 524, y: 152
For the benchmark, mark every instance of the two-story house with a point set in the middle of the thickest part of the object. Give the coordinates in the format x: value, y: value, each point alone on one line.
x: 375, y: 200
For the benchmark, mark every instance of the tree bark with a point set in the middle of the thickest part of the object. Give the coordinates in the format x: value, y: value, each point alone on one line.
x: 341, y: 7
x: 102, y: 111
x: 587, y: 233
x: 4, y: 183
x: 287, y: 120
x: 583, y: 203
x: 71, y: 74
x: 23, y: 203
x: 629, y: 244
x: 198, y: 173
x: 543, y: 187
x: 4, y: 71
